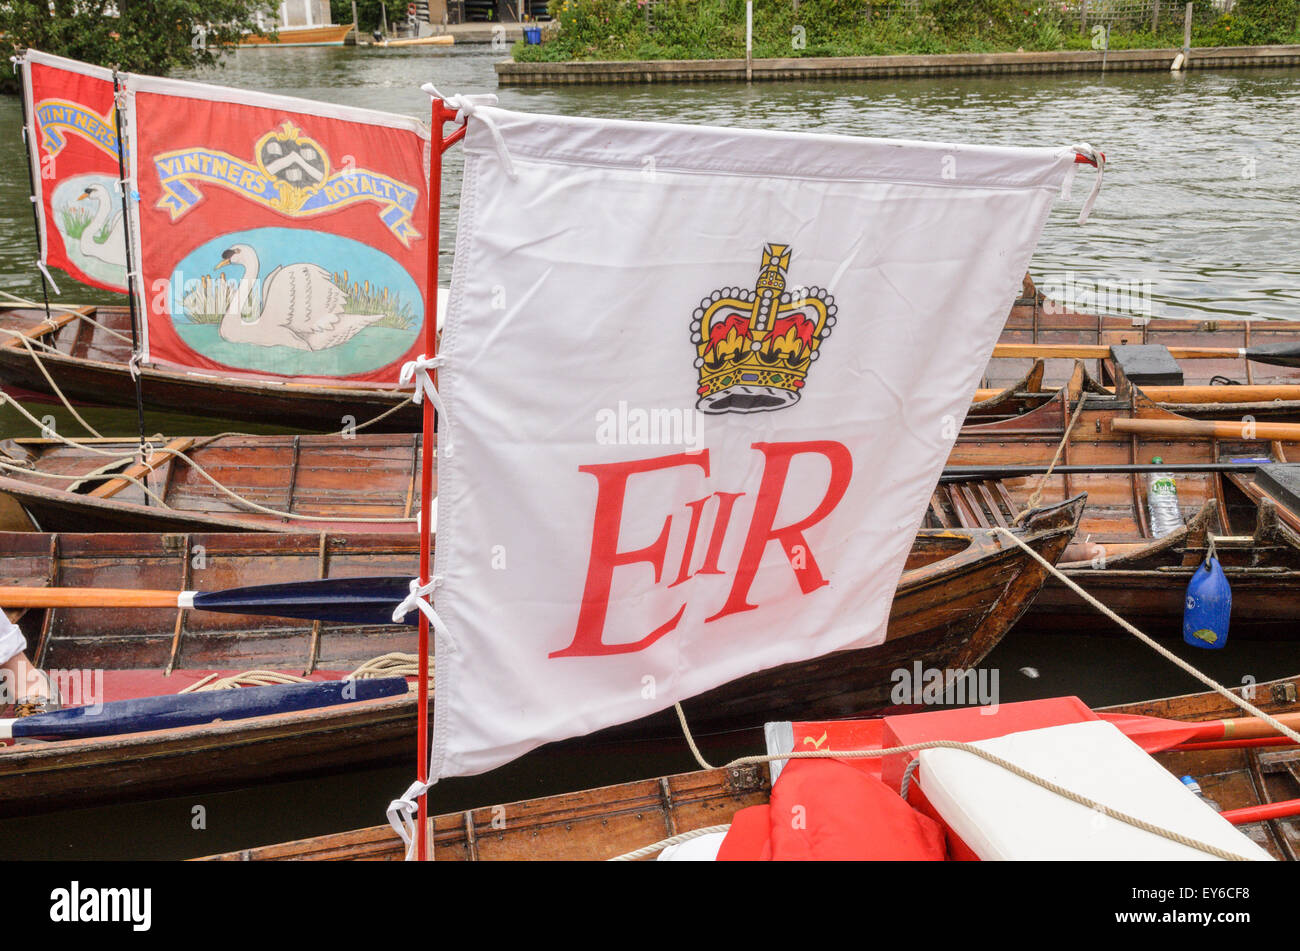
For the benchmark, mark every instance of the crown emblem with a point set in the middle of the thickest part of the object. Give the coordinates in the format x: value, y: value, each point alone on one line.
x: 754, y: 348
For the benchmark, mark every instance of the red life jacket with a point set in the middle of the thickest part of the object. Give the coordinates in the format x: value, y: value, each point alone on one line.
x: 825, y: 810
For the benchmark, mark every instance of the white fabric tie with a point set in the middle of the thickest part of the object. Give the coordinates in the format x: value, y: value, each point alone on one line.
x: 402, y: 816
x: 466, y: 106
x: 402, y: 812
x: 48, y: 277
x: 433, y: 517
x: 417, y: 371
x: 1088, y: 151
x: 418, y: 600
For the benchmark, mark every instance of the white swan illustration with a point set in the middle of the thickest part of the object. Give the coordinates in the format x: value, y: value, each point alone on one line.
x: 301, y: 306
x: 113, y: 249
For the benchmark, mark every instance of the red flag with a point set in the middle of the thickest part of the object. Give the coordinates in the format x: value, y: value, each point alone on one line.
x: 277, y: 237
x: 73, y: 143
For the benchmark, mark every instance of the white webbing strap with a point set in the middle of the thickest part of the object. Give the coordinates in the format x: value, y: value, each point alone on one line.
x: 417, y: 371
x: 433, y: 517
x: 1099, y: 159
x: 402, y: 816
x: 49, y: 277
x: 466, y: 106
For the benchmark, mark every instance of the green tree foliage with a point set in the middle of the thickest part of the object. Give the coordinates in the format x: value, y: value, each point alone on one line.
x: 715, y: 29
x: 1267, y: 21
x: 140, y: 36
x: 367, y: 13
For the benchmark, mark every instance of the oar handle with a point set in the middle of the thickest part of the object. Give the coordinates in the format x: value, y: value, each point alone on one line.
x: 1096, y: 351
x: 1221, y: 429
x: 20, y: 597
x: 1243, y: 728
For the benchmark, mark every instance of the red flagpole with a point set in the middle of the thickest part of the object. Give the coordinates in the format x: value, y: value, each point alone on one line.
x: 438, y: 145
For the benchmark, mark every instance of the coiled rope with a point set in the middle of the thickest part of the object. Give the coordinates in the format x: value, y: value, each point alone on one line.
x: 393, y: 664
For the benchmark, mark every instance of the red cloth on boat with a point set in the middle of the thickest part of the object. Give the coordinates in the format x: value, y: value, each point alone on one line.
x: 825, y: 810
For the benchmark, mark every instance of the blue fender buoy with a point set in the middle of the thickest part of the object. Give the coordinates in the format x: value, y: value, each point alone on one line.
x: 1207, y: 607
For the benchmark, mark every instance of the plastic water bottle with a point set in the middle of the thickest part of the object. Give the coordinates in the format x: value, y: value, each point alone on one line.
x: 1195, y: 787
x: 1162, y: 500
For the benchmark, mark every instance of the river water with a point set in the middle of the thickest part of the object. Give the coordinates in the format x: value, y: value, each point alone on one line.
x: 1200, y: 202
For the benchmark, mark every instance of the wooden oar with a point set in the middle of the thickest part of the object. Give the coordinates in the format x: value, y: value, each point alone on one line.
x: 191, y: 709
x: 341, y: 600
x: 1277, y: 354
x: 983, y: 473
x: 1235, y: 393
x: 1154, y: 734
x: 1221, y: 429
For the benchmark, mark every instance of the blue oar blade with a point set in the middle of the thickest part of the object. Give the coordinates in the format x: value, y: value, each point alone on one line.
x: 339, y: 600
x: 1276, y: 354
x: 192, y: 709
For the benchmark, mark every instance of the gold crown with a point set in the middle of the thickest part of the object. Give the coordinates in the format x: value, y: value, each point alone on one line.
x: 754, y: 348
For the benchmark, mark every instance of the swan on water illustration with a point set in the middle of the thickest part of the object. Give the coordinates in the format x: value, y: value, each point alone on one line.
x: 301, y: 306
x: 111, y: 249
x: 294, y: 302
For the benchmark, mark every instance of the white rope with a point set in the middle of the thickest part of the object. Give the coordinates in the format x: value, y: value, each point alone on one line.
x: 91, y: 477
x: 74, y: 309
x: 1162, y: 651
x: 117, y: 457
x: 54, y: 387
x: 468, y: 105
x: 977, y: 751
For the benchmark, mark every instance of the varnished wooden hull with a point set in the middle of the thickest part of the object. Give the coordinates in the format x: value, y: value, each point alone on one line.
x: 362, y: 483
x: 599, y: 824
x: 1115, y: 555
x: 1037, y: 319
x: 90, y: 366
x: 328, y: 35
x: 951, y: 608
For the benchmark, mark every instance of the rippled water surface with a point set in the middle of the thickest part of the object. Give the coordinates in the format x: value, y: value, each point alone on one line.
x: 1201, y: 194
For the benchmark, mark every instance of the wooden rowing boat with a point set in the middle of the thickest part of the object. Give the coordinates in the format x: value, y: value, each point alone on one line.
x: 322, y: 480
x: 602, y: 823
x: 1036, y: 318
x: 314, y: 482
x: 89, y: 363
x: 331, y: 34
x: 441, y: 39
x: 960, y: 593
x: 1274, y: 403
x: 1115, y: 556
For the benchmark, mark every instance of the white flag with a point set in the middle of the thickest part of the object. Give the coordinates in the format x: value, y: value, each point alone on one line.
x: 699, y: 386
